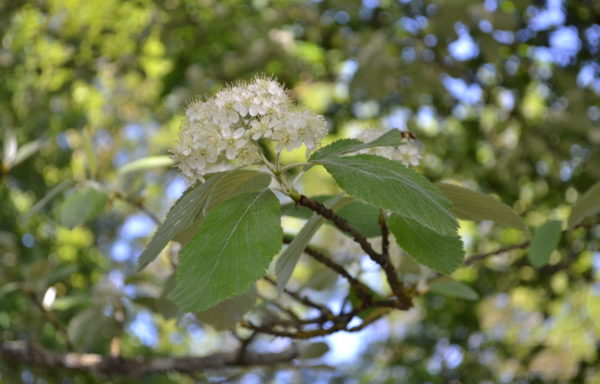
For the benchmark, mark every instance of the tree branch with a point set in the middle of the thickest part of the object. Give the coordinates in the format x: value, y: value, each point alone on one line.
x: 344, y: 226
x: 33, y: 354
x: 300, y: 298
x: 385, y: 235
x: 361, y: 289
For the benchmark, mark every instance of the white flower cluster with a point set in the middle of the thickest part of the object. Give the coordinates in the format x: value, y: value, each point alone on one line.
x: 408, y: 154
x: 227, y: 126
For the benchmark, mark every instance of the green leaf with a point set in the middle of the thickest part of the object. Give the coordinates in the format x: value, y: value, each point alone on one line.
x: 165, y: 307
x: 313, y: 350
x: 453, y: 288
x: 187, y: 212
x: 390, y: 185
x: 586, y: 206
x: 391, y: 138
x: 289, y: 258
x: 232, y: 249
x: 228, y: 313
x: 471, y: 205
x: 81, y: 206
x: 441, y: 252
x: 334, y: 149
x: 146, y: 163
x: 544, y: 241
x: 363, y: 217
x: 90, y: 327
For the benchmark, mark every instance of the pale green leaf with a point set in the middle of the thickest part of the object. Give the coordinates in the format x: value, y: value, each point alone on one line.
x: 8, y: 288
x: 586, y: 206
x: 146, y: 163
x: 544, y: 242
x: 471, y: 205
x: 90, y: 327
x: 228, y: 313
x: 390, y: 185
x: 391, y: 138
x: 81, y: 206
x: 187, y: 212
x: 48, y: 197
x: 66, y: 303
x: 10, y: 146
x: 232, y: 249
x: 26, y: 151
x: 453, y: 288
x: 289, y: 258
x: 441, y: 252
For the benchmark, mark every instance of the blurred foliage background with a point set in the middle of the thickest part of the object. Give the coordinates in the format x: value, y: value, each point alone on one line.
x: 504, y: 96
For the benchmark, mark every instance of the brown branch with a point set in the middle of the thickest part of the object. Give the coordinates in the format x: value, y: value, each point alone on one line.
x: 288, y: 311
x: 361, y: 289
x: 341, y: 224
x: 33, y: 354
x: 344, y: 226
x: 244, y: 344
x: 385, y: 235
x: 300, y: 298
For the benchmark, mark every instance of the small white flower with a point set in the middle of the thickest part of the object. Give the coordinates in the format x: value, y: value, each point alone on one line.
x: 408, y: 154
x: 226, y: 127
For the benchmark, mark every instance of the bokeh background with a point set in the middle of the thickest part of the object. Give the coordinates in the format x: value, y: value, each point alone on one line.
x: 504, y: 96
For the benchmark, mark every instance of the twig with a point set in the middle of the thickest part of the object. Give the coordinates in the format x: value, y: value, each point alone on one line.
x: 244, y: 344
x: 470, y: 260
x: 300, y: 298
x: 360, y: 287
x: 498, y: 251
x: 22, y: 352
x: 344, y: 226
